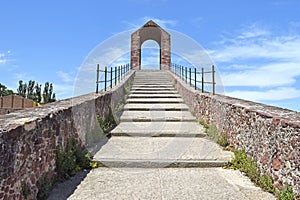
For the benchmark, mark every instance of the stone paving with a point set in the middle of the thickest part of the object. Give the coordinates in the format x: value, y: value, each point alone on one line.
x: 159, y: 151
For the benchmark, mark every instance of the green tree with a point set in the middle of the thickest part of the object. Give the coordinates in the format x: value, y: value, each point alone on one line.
x: 4, y: 91
x: 22, y: 89
x: 38, y: 93
x: 33, y: 91
x: 30, y: 90
x: 48, y: 94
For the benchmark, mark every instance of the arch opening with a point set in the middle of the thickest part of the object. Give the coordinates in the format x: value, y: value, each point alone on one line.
x: 150, y: 55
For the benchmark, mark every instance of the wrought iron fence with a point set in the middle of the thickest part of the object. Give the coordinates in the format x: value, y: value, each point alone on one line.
x: 112, y: 76
x: 189, y: 75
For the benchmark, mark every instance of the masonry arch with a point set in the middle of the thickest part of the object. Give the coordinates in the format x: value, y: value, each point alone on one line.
x: 150, y: 31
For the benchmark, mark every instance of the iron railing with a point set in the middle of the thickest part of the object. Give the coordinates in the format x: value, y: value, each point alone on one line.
x: 189, y: 75
x: 112, y: 76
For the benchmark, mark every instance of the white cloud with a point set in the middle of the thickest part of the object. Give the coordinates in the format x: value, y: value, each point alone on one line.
x: 164, y: 23
x: 66, y: 77
x: 63, y: 91
x: 257, y: 57
x: 2, y: 58
x: 269, y: 75
x: 276, y: 94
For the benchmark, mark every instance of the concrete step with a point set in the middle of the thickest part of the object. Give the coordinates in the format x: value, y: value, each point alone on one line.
x: 149, y: 106
x: 148, y: 163
x: 152, y: 85
x: 161, y: 95
x: 160, y: 116
x: 159, y: 129
x: 155, y: 100
x: 159, y: 152
x: 152, y: 89
x: 153, y: 92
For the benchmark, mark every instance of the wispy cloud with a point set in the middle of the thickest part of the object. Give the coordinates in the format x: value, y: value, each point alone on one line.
x: 2, y: 58
x: 63, y: 91
x: 277, y: 94
x: 164, y: 23
x: 65, y: 77
x: 258, y: 57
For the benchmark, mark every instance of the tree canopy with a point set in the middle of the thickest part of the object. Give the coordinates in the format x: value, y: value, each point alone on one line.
x: 32, y: 90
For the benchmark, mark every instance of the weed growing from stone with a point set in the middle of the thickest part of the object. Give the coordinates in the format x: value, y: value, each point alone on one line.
x: 107, y: 123
x: 212, y: 131
x: 286, y: 194
x: 26, y: 190
x: 68, y: 162
x: 248, y: 165
x: 45, y: 185
x: 71, y: 160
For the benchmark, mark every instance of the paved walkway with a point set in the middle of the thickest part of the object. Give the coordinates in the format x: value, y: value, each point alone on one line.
x: 159, y: 151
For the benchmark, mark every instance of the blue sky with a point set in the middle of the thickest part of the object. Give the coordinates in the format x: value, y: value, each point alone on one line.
x: 255, y: 44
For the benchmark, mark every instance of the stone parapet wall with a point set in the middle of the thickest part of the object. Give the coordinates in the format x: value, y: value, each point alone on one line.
x: 270, y: 135
x: 29, y: 138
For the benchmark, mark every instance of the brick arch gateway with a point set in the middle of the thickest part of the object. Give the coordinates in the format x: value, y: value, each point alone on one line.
x: 150, y: 31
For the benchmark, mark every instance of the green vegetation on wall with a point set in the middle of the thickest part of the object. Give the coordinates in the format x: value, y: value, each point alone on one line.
x: 247, y: 165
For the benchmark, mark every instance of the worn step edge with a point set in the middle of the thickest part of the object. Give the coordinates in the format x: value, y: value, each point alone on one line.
x: 128, y: 163
x: 155, y: 109
x: 152, y: 97
x: 152, y: 88
x: 154, y: 92
x: 157, y: 120
x: 155, y: 134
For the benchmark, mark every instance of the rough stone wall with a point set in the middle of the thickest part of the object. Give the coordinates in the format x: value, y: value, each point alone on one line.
x: 269, y: 134
x: 29, y: 138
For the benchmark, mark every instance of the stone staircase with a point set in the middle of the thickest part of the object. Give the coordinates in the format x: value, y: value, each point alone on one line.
x: 159, y: 151
x: 157, y: 130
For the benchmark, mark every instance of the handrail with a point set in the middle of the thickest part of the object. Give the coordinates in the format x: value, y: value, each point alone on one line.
x: 186, y: 75
x: 119, y: 74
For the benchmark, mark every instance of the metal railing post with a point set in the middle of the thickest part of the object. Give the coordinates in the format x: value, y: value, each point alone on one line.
x: 195, y: 78
x: 119, y: 73
x: 111, y: 75
x: 97, y: 79
x: 185, y: 74
x: 105, y: 72
x: 190, y: 76
x: 202, y: 87
x: 122, y: 72
x: 213, y: 79
x: 115, y: 75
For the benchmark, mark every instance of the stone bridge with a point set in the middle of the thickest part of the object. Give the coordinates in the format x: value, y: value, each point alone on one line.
x: 158, y: 150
